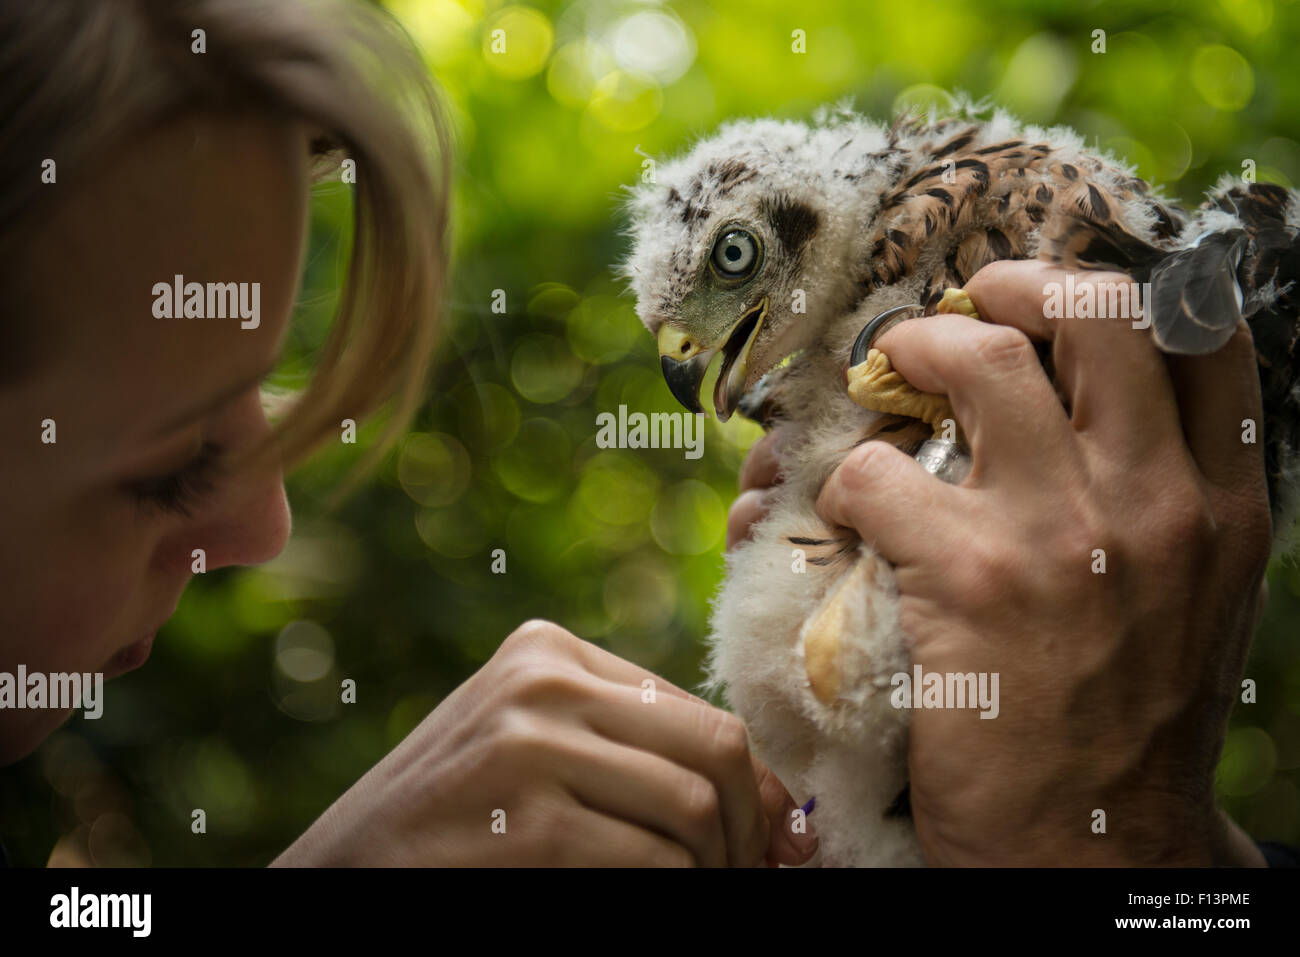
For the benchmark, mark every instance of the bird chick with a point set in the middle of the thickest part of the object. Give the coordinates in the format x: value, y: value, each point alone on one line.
x: 773, y: 243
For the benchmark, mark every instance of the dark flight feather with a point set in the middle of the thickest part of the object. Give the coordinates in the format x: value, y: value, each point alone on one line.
x: 1195, y: 296
x: 1199, y: 293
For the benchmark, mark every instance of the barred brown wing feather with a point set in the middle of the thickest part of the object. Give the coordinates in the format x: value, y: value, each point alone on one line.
x: 1077, y: 242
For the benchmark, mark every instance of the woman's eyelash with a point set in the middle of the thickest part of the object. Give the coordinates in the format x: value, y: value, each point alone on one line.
x: 178, y: 491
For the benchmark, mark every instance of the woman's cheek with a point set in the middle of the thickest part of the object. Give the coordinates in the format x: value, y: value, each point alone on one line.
x: 95, y: 611
x: 88, y: 592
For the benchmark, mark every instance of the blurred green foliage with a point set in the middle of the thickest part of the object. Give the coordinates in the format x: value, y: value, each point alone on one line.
x: 238, y: 712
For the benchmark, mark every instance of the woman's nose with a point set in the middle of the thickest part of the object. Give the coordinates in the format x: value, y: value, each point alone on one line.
x: 252, y: 525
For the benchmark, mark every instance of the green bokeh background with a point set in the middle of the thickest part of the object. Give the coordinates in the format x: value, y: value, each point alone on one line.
x: 238, y: 711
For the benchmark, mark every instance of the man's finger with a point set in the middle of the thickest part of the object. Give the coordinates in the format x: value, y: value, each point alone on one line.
x: 894, y: 504
x: 1223, y: 418
x: 761, y: 468
x: 748, y: 509
x: 999, y: 392
x: 1010, y: 292
x: 1111, y: 373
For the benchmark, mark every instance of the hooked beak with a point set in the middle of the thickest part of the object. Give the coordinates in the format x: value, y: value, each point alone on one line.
x: 685, y: 361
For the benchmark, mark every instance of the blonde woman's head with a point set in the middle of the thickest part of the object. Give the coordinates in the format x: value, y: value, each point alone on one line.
x: 155, y: 163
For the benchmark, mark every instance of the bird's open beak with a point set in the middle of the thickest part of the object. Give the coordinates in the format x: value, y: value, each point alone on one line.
x: 685, y: 360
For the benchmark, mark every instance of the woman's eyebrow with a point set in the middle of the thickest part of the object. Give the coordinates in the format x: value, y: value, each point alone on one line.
x: 208, y: 406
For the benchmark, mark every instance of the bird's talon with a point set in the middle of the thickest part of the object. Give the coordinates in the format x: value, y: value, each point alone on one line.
x: 862, y: 345
x: 957, y: 301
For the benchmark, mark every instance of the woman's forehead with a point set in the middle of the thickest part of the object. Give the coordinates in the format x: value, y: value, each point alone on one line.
x: 169, y: 272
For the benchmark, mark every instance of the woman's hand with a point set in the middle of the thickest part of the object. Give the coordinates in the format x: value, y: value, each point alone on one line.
x: 1104, y: 558
x: 557, y: 752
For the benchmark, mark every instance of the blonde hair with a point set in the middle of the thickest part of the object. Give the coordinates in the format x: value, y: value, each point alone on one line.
x: 75, y: 77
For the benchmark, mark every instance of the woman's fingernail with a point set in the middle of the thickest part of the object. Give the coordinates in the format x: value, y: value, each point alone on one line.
x: 803, y: 836
x: 805, y: 843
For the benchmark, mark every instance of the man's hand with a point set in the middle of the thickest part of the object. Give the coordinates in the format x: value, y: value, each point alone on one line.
x: 758, y: 474
x: 558, y: 743
x: 1104, y: 557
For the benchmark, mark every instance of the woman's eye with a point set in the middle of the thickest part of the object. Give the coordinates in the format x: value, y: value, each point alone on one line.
x: 735, y: 253
x: 181, y: 489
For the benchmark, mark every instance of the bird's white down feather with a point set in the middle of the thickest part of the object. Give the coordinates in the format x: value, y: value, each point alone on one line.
x: 850, y: 754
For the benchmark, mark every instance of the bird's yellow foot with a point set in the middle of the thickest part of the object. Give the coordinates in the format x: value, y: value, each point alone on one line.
x: 874, y: 385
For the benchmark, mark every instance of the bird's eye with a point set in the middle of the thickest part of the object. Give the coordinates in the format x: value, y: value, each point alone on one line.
x: 735, y: 253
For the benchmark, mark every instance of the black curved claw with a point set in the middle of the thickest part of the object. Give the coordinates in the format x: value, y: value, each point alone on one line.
x: 862, y: 345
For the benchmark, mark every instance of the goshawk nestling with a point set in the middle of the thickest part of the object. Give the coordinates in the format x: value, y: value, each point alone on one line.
x: 775, y: 243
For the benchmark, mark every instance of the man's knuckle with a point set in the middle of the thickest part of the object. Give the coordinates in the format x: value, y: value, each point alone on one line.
x: 995, y: 561
x: 989, y: 572
x: 1187, y: 522
x: 865, y: 467
x: 994, y: 273
x: 1003, y: 349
